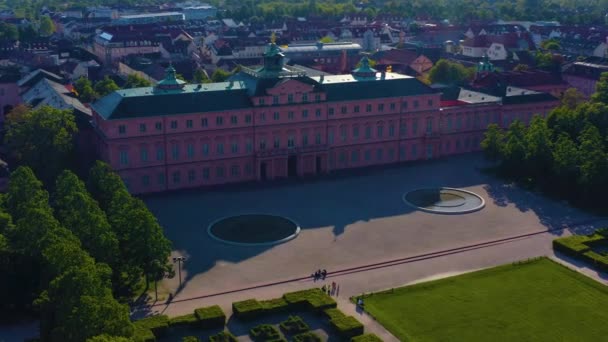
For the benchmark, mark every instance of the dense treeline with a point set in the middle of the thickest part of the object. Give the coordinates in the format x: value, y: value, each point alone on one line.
x: 76, y: 254
x: 565, y: 154
x: 457, y: 11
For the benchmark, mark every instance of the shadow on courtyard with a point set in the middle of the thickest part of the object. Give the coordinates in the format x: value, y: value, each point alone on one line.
x: 336, y: 201
x: 556, y: 215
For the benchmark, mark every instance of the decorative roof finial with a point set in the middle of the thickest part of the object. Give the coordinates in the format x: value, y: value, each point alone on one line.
x: 273, y: 38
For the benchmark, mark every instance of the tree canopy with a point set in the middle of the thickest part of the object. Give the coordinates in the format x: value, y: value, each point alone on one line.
x: 565, y: 154
x: 450, y: 73
x: 42, y: 139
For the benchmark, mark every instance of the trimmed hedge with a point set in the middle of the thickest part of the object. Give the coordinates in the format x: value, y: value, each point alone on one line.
x: 294, y: 325
x: 185, y: 320
x: 223, y: 336
x: 307, y: 337
x: 247, y: 309
x: 210, y: 317
x: 311, y: 299
x: 142, y: 334
x: 265, y: 332
x: 191, y: 339
x: 345, y: 326
x: 366, y: 338
x: 581, y: 247
x: 147, y: 329
x: 274, y: 305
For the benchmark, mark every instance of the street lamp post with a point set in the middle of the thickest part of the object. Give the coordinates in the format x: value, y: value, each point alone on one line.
x: 179, y: 261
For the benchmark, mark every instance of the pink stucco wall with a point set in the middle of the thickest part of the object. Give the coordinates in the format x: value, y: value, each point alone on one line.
x: 266, y: 142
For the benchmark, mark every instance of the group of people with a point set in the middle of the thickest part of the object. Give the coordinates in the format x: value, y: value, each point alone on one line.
x: 333, y: 289
x: 319, y: 274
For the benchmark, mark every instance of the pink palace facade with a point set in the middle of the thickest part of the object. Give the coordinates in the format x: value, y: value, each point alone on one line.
x: 276, y: 122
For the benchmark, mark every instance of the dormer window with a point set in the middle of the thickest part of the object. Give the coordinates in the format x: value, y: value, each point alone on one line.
x: 275, y: 100
x: 290, y: 98
x: 305, y: 97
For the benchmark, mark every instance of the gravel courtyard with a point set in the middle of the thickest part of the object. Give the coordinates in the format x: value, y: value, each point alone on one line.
x: 346, y: 220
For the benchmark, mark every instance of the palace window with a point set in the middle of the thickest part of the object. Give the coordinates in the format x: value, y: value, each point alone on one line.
x: 379, y: 154
x: 142, y: 127
x: 305, y: 113
x: 404, y: 105
x: 206, y: 173
x: 368, y: 108
x: 330, y: 137
x: 124, y: 157
x: 204, y: 122
x: 415, y: 103
x: 261, y: 101
x: 160, y: 153
x: 392, y: 106
x: 429, y: 125
x: 190, y: 151
x: 368, y: 155
x: 191, y: 176
x: 219, y: 172
x: 175, y: 151
x: 356, y: 109
x: 380, y: 131
x: 174, y: 124
x: 291, y: 142
x: 275, y: 100
x: 355, y: 132
x: 415, y: 126
x: 234, y: 120
x: 262, y: 144
x: 290, y: 115
x: 343, y: 133
x: 317, y: 97
x: 143, y: 154
x: 122, y: 129
x: 305, y: 140
x: 220, y: 148
x: 176, y: 177
x: 159, y: 126
x: 205, y: 150
x: 305, y: 97
x: 330, y: 111
x: 391, y: 130
x: 354, y: 156
x: 248, y: 169
x: 161, y: 178
x: 219, y: 120
x: 188, y: 123
x: 277, y: 142
x: 290, y: 98
x: 318, y: 112
x: 275, y: 116
x: 343, y: 110
x: 248, y: 118
x: 430, y: 102
x: 414, y: 151
x: 368, y: 132
x: 381, y: 107
x: 248, y: 146
x: 235, y: 171
x: 318, y: 138
x: 145, y: 180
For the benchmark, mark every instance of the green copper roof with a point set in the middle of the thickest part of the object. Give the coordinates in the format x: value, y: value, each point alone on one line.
x: 170, y: 81
x: 364, y: 69
x: 192, y: 98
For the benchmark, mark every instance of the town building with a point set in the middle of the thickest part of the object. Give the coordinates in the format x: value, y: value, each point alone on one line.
x: 277, y: 121
x: 584, y: 75
x: 150, y: 18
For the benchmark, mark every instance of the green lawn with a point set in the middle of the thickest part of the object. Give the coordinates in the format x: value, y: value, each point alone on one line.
x: 535, y: 301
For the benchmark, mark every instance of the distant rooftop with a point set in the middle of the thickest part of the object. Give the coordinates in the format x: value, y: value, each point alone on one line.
x: 149, y: 15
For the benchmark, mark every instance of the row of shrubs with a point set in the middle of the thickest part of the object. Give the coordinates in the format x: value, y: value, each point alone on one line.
x: 147, y: 329
x: 307, y: 300
x: 314, y: 300
x: 581, y: 247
